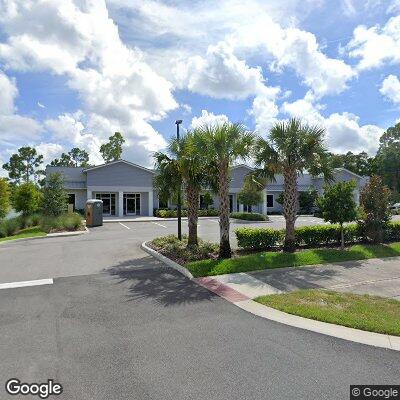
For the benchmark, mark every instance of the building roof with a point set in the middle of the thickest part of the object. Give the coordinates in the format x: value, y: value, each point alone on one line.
x: 119, y: 161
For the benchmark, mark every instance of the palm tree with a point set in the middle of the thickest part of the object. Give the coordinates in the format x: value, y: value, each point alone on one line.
x: 186, y: 165
x: 292, y: 147
x: 222, y: 145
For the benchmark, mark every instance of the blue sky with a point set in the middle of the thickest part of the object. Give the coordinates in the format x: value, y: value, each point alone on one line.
x: 72, y: 72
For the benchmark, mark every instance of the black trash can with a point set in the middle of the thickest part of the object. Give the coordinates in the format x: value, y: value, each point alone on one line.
x: 94, y: 213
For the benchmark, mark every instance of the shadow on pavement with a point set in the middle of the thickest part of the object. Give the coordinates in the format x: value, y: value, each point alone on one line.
x: 147, y: 278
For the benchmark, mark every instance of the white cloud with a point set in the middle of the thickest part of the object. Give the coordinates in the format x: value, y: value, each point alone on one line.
x: 265, y: 112
x: 343, y: 130
x: 376, y: 45
x: 391, y: 88
x: 220, y: 74
x: 14, y: 128
x: 8, y: 93
x: 187, y: 109
x: 49, y: 151
x: 300, y: 51
x: 217, y: 36
x: 393, y: 7
x: 208, y: 118
x: 80, y: 41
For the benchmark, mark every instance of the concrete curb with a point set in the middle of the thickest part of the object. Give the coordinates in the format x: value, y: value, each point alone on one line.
x: 49, y: 235
x: 167, y: 261
x: 63, y: 234
x: 338, y: 331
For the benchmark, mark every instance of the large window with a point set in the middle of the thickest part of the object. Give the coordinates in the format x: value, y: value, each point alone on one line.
x: 270, y: 200
x: 108, y: 202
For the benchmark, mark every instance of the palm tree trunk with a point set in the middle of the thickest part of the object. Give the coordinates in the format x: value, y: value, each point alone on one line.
x: 290, y: 208
x: 193, y: 195
x: 223, y: 189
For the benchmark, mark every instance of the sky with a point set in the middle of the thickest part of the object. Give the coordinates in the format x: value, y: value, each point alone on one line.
x: 73, y: 72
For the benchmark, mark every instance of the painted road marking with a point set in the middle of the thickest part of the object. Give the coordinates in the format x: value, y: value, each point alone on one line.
x: 213, y: 220
x: 156, y: 223
x: 37, y: 282
x: 127, y: 227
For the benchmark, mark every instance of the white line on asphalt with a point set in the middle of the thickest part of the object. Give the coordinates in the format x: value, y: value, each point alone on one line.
x: 156, y: 223
x: 127, y: 227
x: 38, y: 282
x: 213, y: 220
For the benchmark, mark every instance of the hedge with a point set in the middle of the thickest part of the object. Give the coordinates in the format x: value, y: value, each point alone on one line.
x: 249, y: 216
x: 311, y: 236
x: 166, y: 213
x: 259, y: 238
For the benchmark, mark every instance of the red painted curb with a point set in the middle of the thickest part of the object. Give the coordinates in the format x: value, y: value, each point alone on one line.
x: 221, y: 289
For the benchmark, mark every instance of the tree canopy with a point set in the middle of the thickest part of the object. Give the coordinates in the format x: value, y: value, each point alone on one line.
x: 112, y: 150
x: 24, y: 165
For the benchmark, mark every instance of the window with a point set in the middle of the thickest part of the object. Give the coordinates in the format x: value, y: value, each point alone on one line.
x: 71, y: 199
x: 247, y: 208
x: 270, y: 200
x: 108, y: 202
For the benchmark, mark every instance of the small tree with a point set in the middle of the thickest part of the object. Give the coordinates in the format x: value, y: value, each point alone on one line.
x: 207, y: 200
x: 4, y: 197
x: 27, y: 198
x: 250, y: 194
x: 307, y: 201
x: 54, y: 195
x: 338, y: 206
x: 375, y: 213
x: 112, y: 150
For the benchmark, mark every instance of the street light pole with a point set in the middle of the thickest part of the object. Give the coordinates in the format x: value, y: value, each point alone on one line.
x: 179, y: 205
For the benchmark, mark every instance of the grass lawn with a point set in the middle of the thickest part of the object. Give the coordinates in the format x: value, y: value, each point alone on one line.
x: 368, y: 313
x: 35, y: 231
x: 272, y: 259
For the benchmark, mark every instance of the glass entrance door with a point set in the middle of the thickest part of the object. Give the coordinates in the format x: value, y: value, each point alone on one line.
x: 106, y: 206
x: 132, y: 204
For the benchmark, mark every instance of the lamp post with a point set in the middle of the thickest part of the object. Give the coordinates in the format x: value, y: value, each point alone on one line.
x: 179, y: 205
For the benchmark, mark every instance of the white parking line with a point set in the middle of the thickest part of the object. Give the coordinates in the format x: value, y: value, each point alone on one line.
x: 156, y: 223
x: 38, y: 282
x: 214, y: 220
x: 127, y: 227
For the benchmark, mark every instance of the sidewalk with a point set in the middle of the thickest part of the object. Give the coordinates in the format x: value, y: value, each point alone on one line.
x: 379, y: 277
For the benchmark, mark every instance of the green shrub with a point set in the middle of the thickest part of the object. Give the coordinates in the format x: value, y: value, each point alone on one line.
x: 317, y: 235
x: 392, y: 231
x: 4, y: 197
x: 177, y: 250
x: 67, y: 221
x: 27, y: 198
x: 259, y: 238
x: 310, y: 236
x: 249, y: 216
x: 55, y: 197
x: 165, y: 213
x: 10, y: 227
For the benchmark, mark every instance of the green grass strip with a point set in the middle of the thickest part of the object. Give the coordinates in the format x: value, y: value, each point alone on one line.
x: 368, y: 313
x: 273, y: 259
x: 25, y: 233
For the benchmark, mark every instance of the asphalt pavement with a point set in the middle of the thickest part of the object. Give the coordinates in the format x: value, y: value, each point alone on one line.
x: 116, y: 324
